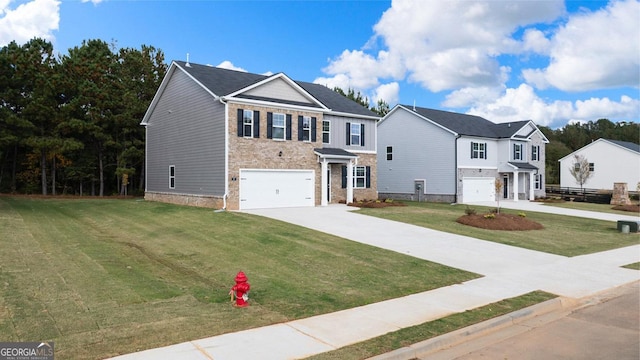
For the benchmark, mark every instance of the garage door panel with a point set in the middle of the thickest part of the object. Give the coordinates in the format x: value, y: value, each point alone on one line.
x: 276, y: 188
x: 478, y: 190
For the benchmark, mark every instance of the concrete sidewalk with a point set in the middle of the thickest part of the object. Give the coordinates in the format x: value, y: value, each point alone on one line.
x: 508, y: 272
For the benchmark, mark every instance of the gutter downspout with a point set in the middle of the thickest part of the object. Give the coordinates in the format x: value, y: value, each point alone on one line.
x: 226, y: 153
x: 455, y: 154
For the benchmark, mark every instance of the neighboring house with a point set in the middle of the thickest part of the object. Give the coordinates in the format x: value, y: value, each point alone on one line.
x: 227, y: 139
x: 610, y: 161
x: 426, y: 154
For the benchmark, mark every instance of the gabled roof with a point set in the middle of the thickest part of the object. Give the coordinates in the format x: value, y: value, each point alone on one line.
x: 625, y: 145
x: 224, y: 82
x: 469, y: 125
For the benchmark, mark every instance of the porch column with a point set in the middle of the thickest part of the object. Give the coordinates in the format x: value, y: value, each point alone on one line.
x: 349, y: 182
x: 324, y: 182
x: 532, y: 182
x: 515, y: 185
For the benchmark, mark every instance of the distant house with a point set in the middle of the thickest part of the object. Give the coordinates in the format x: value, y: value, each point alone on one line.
x: 610, y: 161
x: 236, y: 140
x: 434, y: 155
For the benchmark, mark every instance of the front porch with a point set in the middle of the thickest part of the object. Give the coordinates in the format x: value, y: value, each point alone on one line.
x: 519, y: 181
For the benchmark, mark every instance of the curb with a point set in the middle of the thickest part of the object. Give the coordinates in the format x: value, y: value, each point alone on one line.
x: 558, y: 305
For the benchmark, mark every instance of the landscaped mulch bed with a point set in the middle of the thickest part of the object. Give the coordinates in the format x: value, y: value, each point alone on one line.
x: 631, y: 208
x: 499, y: 222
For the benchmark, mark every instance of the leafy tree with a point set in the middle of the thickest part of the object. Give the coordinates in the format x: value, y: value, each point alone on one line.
x: 381, y: 108
x: 580, y: 170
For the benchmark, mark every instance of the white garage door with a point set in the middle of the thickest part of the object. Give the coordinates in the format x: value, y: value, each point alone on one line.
x: 261, y: 189
x: 478, y: 189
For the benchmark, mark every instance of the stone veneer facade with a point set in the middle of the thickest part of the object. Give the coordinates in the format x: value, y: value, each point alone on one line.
x: 264, y: 153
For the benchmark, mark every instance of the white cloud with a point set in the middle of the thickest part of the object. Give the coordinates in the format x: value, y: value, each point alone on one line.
x: 95, y: 2
x: 387, y: 92
x: 37, y: 18
x: 523, y: 103
x: 444, y: 45
x: 229, y: 66
x: 594, y: 50
x: 534, y: 40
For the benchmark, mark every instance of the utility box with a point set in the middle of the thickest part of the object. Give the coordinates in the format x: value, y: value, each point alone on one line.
x: 633, y: 225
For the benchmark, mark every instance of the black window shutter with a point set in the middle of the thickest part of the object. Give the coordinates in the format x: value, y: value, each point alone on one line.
x: 361, y: 134
x: 486, y: 151
x: 240, y: 122
x: 472, y: 150
x: 344, y: 176
x: 348, y: 133
x: 288, y: 127
x: 313, y: 129
x: 256, y: 124
x: 269, y: 125
x: 368, y: 179
x: 300, y: 120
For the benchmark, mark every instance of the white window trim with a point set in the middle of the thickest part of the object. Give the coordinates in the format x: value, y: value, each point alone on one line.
x: 389, y: 153
x: 306, y: 130
x: 283, y: 127
x: 520, y: 152
x: 245, y: 133
x: 363, y: 177
x: 538, y: 182
x: 328, y: 132
x: 535, y: 153
x: 478, y: 153
x: 357, y: 126
x: 172, y: 178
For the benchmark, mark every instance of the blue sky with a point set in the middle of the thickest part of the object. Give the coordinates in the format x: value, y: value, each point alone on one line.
x: 550, y: 61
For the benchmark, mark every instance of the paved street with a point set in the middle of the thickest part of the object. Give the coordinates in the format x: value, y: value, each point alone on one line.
x: 608, y: 329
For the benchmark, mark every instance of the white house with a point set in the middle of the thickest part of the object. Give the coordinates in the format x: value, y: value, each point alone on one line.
x: 434, y: 155
x: 610, y: 161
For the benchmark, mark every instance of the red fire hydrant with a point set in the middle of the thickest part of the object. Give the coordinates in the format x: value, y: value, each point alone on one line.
x: 240, y: 290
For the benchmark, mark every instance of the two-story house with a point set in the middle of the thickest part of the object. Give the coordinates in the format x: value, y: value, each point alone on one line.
x: 235, y: 140
x: 434, y: 155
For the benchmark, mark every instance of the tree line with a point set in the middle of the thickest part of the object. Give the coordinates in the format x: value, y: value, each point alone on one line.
x: 70, y: 124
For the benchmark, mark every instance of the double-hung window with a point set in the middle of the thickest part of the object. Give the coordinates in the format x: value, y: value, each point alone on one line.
x: 535, y: 152
x: 247, y: 123
x: 389, y: 152
x: 538, y: 181
x: 355, y: 134
x: 478, y: 150
x: 326, y: 131
x: 306, y: 128
x: 592, y: 167
x: 172, y: 176
x: 359, y: 177
x: 279, y: 126
x: 517, y: 152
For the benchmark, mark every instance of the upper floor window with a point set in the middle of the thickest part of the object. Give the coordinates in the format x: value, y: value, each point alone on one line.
x: 535, y: 153
x: 355, y: 134
x: 326, y: 131
x: 278, y: 126
x: 478, y: 150
x: 592, y: 167
x: 389, y: 152
x: 306, y: 128
x: 247, y: 123
x: 172, y: 176
x: 517, y: 152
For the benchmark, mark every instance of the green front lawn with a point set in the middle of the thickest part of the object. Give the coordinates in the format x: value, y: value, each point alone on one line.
x: 605, y: 208
x: 105, y: 277
x: 562, y: 235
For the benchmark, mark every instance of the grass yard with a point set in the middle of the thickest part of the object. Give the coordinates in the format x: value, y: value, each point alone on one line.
x: 105, y: 277
x: 605, y: 208
x: 431, y: 329
x: 562, y: 235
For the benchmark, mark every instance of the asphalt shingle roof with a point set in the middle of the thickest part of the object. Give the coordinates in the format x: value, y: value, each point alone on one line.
x: 629, y: 145
x: 223, y: 82
x: 470, y: 125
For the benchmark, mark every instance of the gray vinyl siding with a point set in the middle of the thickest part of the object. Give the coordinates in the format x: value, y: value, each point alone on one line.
x: 421, y: 150
x: 339, y: 133
x: 186, y: 129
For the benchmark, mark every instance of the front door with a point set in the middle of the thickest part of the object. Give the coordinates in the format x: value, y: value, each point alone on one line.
x: 505, y: 187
